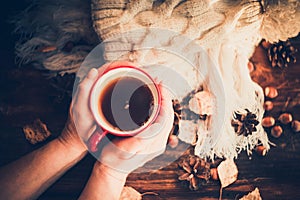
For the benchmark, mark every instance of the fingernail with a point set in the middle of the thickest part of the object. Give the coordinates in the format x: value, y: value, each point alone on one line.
x: 92, y: 73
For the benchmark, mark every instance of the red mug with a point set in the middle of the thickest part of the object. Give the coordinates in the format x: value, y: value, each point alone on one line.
x: 124, y: 101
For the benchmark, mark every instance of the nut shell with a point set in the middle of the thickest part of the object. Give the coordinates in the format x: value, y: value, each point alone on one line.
x: 296, y: 125
x: 250, y: 66
x: 271, y: 92
x: 276, y: 131
x: 173, y: 141
x: 268, y: 122
x: 285, y: 118
x: 268, y: 105
x: 261, y: 150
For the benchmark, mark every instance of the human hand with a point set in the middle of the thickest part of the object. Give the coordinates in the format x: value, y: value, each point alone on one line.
x: 80, y: 122
x: 134, y: 150
x: 124, y: 155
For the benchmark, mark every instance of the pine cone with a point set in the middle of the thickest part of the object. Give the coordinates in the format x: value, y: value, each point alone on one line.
x: 281, y: 54
x: 196, y: 171
x: 245, y: 124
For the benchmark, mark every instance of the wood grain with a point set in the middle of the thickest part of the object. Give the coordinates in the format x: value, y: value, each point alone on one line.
x: 27, y: 95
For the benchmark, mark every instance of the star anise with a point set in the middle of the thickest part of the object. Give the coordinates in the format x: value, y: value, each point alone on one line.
x: 244, y: 124
x: 196, y: 171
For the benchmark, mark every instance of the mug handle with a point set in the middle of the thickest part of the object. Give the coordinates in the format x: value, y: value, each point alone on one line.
x: 95, y: 138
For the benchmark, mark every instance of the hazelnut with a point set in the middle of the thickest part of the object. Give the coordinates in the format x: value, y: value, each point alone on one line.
x: 268, y: 122
x: 173, y: 141
x: 271, y: 92
x: 296, y: 125
x: 214, y: 174
x: 250, y: 66
x: 276, y: 131
x: 285, y: 118
x: 268, y: 105
x: 261, y: 150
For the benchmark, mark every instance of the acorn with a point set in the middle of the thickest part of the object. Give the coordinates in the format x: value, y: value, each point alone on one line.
x: 276, y: 131
x: 261, y: 150
x: 268, y: 105
x: 214, y: 174
x: 285, y: 118
x: 268, y: 122
x: 173, y: 141
x: 296, y: 125
x: 271, y: 92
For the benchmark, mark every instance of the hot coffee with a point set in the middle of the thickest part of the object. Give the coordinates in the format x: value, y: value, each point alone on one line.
x: 126, y: 103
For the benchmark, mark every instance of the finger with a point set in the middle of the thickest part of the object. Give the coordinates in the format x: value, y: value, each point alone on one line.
x: 80, y: 110
x: 89, y: 79
x: 113, y: 64
x: 85, y: 86
x: 164, y: 121
x: 166, y: 104
x: 160, y: 140
x: 128, y: 144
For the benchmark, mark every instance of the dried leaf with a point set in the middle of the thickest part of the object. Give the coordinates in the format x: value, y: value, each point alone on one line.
x: 36, y: 132
x: 228, y: 172
x: 187, y: 131
x: 254, y: 195
x: 128, y: 193
x: 202, y: 103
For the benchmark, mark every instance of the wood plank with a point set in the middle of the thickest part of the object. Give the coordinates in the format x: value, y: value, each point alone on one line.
x: 27, y: 95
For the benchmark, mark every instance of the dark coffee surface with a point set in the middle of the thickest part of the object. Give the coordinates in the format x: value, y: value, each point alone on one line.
x: 126, y: 103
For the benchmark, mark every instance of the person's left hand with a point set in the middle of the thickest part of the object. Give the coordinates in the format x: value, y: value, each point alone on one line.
x: 80, y: 122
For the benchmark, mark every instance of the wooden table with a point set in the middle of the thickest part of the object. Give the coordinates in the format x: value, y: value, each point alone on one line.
x: 26, y: 95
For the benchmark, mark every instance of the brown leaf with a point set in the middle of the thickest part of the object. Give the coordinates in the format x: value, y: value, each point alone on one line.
x: 128, y: 193
x: 254, y: 195
x: 227, y: 172
x: 36, y: 132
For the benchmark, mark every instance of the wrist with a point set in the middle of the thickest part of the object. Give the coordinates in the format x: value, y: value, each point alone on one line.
x: 71, y: 139
x: 109, y: 173
x: 104, y: 183
x: 72, y: 146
